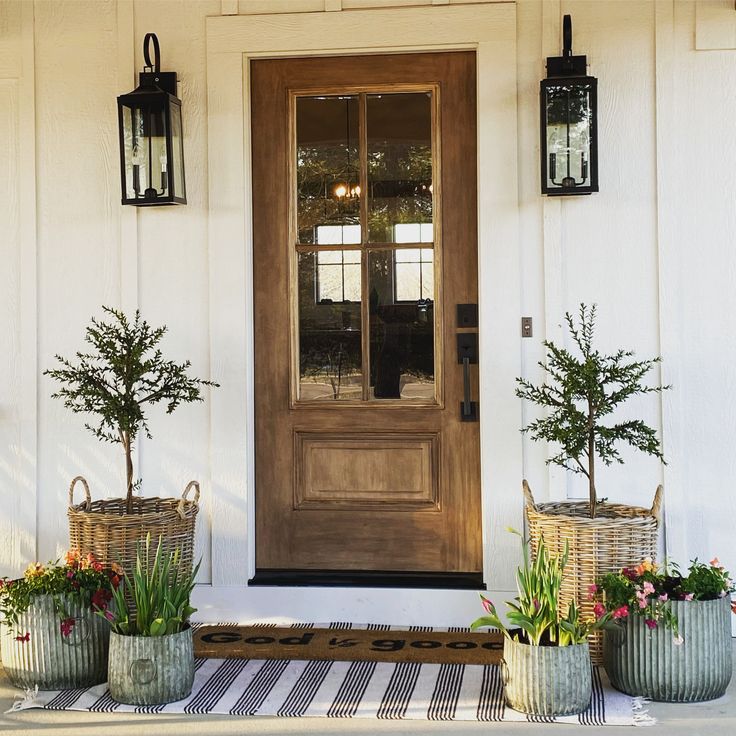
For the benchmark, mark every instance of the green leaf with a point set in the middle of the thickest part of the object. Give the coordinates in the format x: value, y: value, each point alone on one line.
x: 158, y: 627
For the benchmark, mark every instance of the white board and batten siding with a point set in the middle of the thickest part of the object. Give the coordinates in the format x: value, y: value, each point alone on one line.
x: 654, y: 249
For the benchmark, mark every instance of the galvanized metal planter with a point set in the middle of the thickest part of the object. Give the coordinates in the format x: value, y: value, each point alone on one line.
x: 151, y: 670
x: 547, y: 680
x: 649, y: 663
x: 53, y: 661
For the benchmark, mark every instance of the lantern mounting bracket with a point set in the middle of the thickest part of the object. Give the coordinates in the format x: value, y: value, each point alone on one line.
x: 567, y: 65
x: 152, y: 74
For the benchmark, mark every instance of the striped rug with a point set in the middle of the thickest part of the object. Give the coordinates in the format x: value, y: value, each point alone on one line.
x: 339, y: 689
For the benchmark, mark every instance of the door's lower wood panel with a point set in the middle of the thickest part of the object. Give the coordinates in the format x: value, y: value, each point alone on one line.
x: 366, y: 471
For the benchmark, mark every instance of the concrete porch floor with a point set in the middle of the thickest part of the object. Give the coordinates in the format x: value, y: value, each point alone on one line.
x: 714, y: 718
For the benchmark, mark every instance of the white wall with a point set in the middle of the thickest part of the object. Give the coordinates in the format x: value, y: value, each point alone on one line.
x: 654, y: 249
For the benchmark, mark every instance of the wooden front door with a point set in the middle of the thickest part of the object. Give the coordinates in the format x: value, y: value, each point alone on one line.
x: 364, y: 229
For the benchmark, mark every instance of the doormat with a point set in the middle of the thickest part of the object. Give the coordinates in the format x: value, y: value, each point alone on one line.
x: 336, y: 689
x: 342, y: 642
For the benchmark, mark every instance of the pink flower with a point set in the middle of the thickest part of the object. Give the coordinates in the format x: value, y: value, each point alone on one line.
x: 663, y: 597
x: 70, y: 573
x: 678, y: 640
x: 647, y: 588
x: 715, y: 562
x: 66, y: 626
x: 622, y: 612
x: 650, y: 623
x: 109, y: 615
x: 642, y: 602
x: 592, y: 590
x: 599, y: 609
x: 688, y: 597
x: 487, y: 605
x: 100, y: 599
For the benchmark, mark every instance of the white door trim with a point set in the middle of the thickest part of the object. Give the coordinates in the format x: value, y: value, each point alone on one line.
x: 231, y: 42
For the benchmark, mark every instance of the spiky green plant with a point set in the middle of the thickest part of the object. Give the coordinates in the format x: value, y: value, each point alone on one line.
x: 581, y: 393
x: 160, y: 593
x: 124, y: 374
x: 536, y: 609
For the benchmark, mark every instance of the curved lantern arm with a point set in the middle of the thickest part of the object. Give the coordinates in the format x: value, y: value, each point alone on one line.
x: 156, y: 66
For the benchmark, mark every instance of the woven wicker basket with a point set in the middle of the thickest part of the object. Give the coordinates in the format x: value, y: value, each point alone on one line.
x: 105, y: 529
x: 619, y: 536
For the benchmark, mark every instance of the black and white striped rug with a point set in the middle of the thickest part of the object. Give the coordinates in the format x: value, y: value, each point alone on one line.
x: 337, y: 689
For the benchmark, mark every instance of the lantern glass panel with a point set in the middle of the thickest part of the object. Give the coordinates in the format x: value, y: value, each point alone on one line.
x: 177, y: 152
x: 568, y: 113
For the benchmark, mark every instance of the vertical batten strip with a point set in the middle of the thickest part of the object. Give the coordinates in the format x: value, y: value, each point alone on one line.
x: 128, y: 219
x: 669, y: 166
x: 552, y: 243
x: 26, y: 472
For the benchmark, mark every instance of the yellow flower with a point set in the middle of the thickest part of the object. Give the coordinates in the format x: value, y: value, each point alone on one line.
x: 34, y: 570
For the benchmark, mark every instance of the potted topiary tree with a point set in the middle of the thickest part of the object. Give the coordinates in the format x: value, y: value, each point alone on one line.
x: 546, y: 659
x: 580, y: 396
x: 124, y: 374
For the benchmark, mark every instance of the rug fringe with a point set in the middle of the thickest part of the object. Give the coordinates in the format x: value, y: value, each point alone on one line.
x: 27, y: 700
x: 640, y: 713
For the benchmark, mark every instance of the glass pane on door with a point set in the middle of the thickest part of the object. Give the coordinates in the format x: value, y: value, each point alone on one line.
x: 327, y: 165
x: 329, y: 325
x: 399, y: 154
x: 401, y: 302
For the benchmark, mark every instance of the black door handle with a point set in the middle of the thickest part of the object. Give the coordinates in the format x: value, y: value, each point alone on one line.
x: 467, y: 353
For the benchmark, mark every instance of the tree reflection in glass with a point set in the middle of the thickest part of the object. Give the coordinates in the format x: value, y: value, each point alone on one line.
x: 399, y: 162
x: 328, y: 164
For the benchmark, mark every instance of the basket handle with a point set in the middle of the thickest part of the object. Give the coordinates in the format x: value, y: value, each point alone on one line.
x: 87, y: 497
x: 180, y: 507
x: 657, y: 504
x: 528, y: 497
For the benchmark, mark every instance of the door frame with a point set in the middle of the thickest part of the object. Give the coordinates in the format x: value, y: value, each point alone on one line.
x: 232, y: 41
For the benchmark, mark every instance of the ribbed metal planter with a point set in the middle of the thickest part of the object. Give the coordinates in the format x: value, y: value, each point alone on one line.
x: 50, y: 660
x: 645, y: 662
x: 547, y: 681
x: 151, y: 670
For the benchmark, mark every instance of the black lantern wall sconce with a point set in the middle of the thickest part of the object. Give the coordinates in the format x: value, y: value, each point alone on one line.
x: 569, y: 137
x: 151, y: 138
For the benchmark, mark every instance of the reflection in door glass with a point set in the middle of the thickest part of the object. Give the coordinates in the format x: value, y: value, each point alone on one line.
x: 327, y: 166
x: 329, y: 326
x: 399, y: 166
x: 402, y: 323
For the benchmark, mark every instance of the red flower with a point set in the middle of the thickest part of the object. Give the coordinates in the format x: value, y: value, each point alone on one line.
x: 650, y: 623
x: 100, y: 599
x: 25, y: 638
x: 66, y: 626
x: 622, y: 612
x: 599, y: 609
x: 627, y: 572
x: 115, y: 580
x: 487, y: 605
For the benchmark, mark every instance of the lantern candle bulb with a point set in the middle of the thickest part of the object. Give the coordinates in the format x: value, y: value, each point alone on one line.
x: 164, y: 181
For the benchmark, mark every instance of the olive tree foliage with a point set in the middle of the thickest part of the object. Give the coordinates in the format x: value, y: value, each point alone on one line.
x: 119, y: 378
x: 580, y: 394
